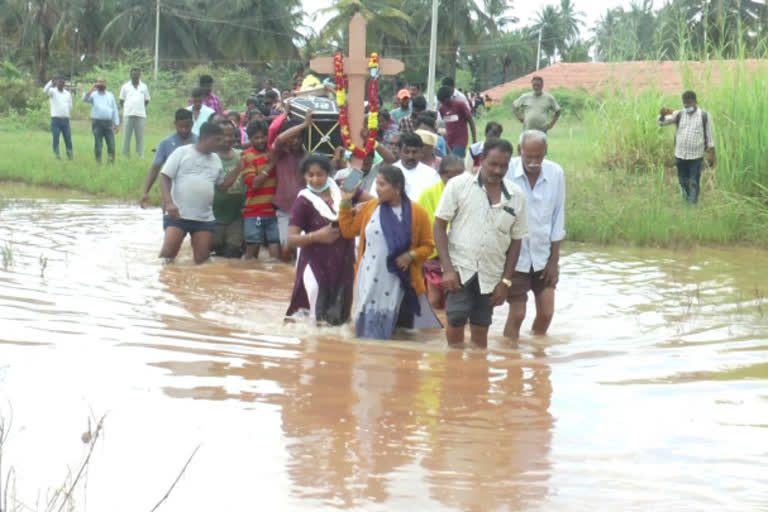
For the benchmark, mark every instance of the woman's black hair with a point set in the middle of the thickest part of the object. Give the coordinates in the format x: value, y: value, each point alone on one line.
x: 394, y: 176
x: 427, y: 120
x: 316, y: 159
x: 227, y: 122
x: 256, y: 126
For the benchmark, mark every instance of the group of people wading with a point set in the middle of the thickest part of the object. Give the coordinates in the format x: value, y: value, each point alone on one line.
x: 415, y: 234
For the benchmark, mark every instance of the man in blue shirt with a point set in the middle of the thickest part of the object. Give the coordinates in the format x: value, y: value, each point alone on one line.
x: 181, y: 137
x: 105, y: 117
x: 537, y: 270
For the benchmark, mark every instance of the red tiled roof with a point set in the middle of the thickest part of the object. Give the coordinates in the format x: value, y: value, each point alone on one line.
x: 667, y: 76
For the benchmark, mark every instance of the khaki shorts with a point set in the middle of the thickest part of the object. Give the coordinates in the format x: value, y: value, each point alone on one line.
x: 524, y: 282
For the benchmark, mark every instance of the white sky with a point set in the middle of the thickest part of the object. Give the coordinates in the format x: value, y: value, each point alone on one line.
x: 522, y: 9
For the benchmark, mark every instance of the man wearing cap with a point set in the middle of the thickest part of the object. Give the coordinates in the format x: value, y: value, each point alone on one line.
x: 418, y: 107
x: 61, y: 108
x: 404, y: 109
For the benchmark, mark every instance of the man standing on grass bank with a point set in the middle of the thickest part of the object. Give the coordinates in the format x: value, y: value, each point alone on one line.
x: 695, y: 137
x: 134, y: 98
x: 105, y: 117
x: 537, y: 270
x: 540, y: 110
x: 61, y: 109
x: 181, y: 137
x: 457, y: 117
x: 488, y: 220
x: 210, y: 99
x: 189, y: 179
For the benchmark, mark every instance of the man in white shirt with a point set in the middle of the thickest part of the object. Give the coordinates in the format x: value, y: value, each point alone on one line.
x: 61, y: 109
x: 418, y: 176
x: 268, y: 86
x: 537, y: 270
x: 134, y: 97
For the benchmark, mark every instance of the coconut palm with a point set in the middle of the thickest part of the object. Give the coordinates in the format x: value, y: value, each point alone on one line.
x: 549, y: 24
x: 570, y: 21
x: 384, y: 20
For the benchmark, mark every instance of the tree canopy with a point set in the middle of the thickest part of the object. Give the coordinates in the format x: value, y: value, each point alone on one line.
x: 477, y: 36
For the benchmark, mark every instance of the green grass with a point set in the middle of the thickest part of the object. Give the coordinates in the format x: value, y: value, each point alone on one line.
x: 622, y: 187
x: 619, y: 165
x: 30, y: 159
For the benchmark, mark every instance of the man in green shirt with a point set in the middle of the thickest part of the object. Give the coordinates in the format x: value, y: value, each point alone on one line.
x: 540, y: 110
x: 228, y: 239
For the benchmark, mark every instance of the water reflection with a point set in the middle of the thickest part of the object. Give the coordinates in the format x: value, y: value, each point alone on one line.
x: 296, y: 419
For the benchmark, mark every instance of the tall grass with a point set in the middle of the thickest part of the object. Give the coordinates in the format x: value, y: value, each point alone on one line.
x: 630, y: 140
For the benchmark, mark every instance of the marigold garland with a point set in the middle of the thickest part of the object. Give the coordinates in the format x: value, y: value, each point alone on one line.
x: 342, y: 85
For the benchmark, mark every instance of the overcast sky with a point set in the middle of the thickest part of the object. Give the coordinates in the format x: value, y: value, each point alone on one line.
x: 522, y: 9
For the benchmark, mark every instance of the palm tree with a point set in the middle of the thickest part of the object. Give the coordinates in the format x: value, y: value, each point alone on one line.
x: 570, y: 20
x: 517, y: 54
x: 384, y: 18
x: 549, y: 24
x: 134, y: 26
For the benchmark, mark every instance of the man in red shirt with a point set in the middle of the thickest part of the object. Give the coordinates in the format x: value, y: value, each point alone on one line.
x: 457, y: 116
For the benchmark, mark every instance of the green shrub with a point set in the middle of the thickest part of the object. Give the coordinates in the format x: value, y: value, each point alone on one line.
x: 19, y: 92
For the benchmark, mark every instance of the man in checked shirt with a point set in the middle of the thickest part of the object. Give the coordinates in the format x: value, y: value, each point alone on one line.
x: 695, y: 138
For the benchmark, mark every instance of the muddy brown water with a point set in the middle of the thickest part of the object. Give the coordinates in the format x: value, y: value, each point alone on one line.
x: 650, y: 394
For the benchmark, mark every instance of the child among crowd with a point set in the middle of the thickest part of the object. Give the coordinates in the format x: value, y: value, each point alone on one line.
x: 259, y: 176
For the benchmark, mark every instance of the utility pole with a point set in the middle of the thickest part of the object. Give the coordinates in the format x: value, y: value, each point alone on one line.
x: 432, y: 59
x: 74, y: 56
x: 538, y: 50
x: 157, y: 35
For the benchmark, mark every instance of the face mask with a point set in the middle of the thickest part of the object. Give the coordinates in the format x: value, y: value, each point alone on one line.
x: 319, y: 190
x: 689, y: 109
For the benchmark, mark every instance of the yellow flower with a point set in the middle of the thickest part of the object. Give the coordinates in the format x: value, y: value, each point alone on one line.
x: 341, y: 97
x: 373, y: 120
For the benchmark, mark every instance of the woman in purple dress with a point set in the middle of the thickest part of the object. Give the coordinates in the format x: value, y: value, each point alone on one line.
x: 325, y: 272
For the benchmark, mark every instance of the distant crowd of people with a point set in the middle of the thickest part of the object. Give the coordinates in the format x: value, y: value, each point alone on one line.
x: 428, y: 222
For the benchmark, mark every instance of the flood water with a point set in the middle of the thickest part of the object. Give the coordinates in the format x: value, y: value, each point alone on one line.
x: 650, y: 394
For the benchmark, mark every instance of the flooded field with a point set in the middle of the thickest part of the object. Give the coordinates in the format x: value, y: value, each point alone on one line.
x: 650, y: 394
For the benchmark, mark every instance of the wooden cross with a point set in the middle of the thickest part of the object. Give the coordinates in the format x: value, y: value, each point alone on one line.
x: 356, y: 68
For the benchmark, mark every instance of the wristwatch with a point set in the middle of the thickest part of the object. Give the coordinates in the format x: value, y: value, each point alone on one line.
x: 506, y: 282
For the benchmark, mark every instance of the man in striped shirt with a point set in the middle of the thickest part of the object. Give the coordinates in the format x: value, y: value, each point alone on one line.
x: 260, y: 178
x: 695, y: 138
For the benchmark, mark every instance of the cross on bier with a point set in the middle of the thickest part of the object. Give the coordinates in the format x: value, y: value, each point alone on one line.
x: 356, y: 68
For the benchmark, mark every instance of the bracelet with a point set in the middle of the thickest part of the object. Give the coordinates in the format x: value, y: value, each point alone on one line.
x: 412, y: 255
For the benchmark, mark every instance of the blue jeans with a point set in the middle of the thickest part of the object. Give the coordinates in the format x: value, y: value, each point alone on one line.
x: 460, y: 151
x: 103, y: 129
x: 60, y: 126
x: 689, y: 176
x: 257, y: 229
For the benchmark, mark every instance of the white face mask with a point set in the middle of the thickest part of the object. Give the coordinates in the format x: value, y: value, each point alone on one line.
x: 689, y: 109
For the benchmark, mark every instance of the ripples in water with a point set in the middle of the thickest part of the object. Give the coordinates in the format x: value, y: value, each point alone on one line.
x: 649, y: 394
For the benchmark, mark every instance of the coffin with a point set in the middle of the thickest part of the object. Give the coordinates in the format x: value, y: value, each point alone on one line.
x: 324, y: 136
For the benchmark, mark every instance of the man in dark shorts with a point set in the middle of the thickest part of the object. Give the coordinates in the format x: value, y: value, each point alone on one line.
x: 537, y: 270
x: 488, y: 220
x: 189, y: 179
